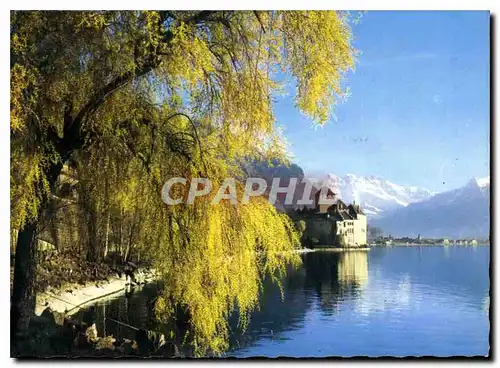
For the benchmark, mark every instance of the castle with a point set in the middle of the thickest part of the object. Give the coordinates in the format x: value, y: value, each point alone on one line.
x: 337, y: 224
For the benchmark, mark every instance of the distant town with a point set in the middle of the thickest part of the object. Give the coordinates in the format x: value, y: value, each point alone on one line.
x: 389, y: 240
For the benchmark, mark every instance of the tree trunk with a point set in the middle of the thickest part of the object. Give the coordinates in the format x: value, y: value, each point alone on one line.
x: 93, y: 246
x: 23, y: 293
x: 106, y: 239
x: 52, y: 224
x: 13, y: 240
x: 23, y: 300
x: 122, y: 220
x: 90, y: 212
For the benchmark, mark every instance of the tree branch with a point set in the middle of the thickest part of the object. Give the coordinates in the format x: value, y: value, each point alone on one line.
x: 195, y: 134
x: 257, y: 15
x: 73, y: 127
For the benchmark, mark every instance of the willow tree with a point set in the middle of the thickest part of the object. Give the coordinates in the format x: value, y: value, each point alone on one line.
x: 168, y: 93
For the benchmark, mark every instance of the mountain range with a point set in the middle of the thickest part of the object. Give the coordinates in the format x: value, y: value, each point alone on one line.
x: 458, y: 213
x: 376, y: 196
x: 398, y: 210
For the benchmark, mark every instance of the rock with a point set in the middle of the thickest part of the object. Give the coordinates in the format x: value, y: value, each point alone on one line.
x: 107, y: 342
x: 91, y: 334
x: 85, y: 337
x: 59, y: 318
x: 127, y: 347
x: 149, y: 341
x: 168, y: 350
x: 138, y: 277
x: 48, y: 315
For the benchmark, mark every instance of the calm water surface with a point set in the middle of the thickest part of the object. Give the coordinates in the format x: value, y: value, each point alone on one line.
x: 395, y: 301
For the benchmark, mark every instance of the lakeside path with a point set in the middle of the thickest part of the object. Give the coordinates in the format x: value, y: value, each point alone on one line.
x: 72, y: 297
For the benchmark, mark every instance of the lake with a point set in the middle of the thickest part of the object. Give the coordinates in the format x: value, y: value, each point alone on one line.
x: 389, y: 301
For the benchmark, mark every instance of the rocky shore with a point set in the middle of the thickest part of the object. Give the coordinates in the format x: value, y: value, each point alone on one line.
x: 54, y: 334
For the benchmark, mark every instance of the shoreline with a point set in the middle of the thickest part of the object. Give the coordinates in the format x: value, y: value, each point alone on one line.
x: 426, y: 245
x: 70, y: 298
x: 352, y: 249
x: 73, y: 297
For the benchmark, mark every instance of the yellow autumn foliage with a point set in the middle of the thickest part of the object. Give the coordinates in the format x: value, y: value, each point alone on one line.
x: 194, y: 98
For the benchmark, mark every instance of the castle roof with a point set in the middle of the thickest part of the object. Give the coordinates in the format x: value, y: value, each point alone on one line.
x: 335, y: 216
x: 355, y: 209
x: 345, y: 215
x: 341, y: 204
x: 340, y: 212
x: 329, y: 192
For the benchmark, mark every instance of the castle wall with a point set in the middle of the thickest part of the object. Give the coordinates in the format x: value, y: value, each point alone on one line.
x: 324, y: 229
x: 319, y: 231
x: 345, y: 229
x: 360, y: 233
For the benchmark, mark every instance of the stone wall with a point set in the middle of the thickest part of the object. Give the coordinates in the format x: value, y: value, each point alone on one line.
x: 319, y: 231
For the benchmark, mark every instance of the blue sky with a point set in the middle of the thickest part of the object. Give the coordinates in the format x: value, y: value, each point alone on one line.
x: 418, y: 113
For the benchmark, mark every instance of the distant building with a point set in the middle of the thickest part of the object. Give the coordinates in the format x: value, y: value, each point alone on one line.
x: 335, y: 224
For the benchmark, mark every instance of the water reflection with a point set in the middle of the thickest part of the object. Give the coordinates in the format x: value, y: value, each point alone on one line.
x: 397, y: 301
x: 446, y: 252
x: 328, y: 278
x: 353, y: 268
x: 136, y: 309
x: 325, y: 278
x: 401, y: 302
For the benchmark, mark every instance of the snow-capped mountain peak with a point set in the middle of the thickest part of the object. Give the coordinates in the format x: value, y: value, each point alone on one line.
x: 478, y: 184
x: 483, y: 182
x: 375, y: 195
